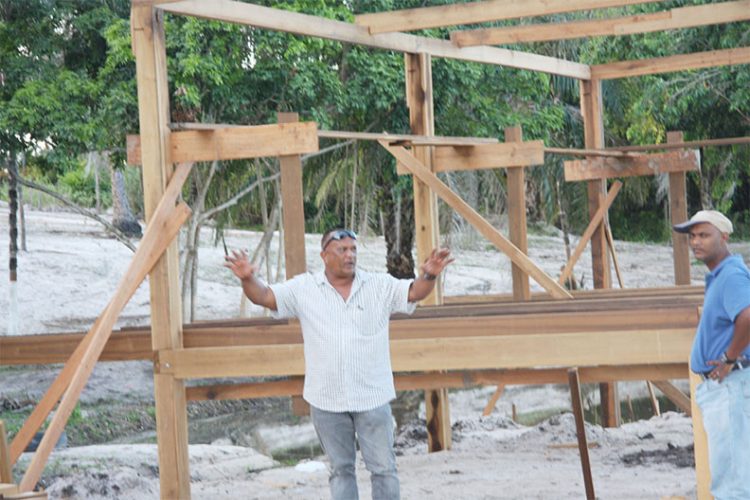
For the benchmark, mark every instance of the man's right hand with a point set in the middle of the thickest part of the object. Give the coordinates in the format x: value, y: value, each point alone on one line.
x: 240, y: 265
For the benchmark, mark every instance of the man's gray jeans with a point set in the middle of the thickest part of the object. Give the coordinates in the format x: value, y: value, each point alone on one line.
x: 374, y: 431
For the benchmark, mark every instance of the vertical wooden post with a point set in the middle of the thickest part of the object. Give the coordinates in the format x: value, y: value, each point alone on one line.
x: 678, y: 213
x: 517, y: 217
x: 293, y: 219
x: 421, y: 120
x: 147, y: 26
x: 6, y: 471
x: 583, y: 447
x: 700, y: 443
x: 593, y: 129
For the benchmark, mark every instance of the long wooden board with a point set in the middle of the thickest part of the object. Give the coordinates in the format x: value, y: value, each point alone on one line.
x: 477, y: 12
x: 678, y: 18
x: 670, y: 64
x: 616, y: 347
x: 230, y: 143
x: 303, y: 24
x: 608, y: 168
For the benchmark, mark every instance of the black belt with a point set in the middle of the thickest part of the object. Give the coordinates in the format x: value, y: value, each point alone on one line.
x: 741, y: 364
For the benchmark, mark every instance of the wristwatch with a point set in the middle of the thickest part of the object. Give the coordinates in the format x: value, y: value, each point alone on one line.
x: 726, y: 360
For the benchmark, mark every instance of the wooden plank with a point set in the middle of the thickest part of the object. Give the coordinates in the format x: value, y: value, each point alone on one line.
x: 516, y: 188
x: 613, y: 253
x: 303, y: 24
x: 614, y: 153
x: 653, y: 164
x: 484, y: 227
x: 454, y: 379
x: 477, y: 12
x: 231, y: 143
x: 652, y: 397
x: 578, y: 294
x: 678, y: 18
x: 419, y: 140
x: 727, y: 141
x: 615, y: 347
x: 700, y: 443
x: 583, y: 448
x: 294, y: 213
x: 160, y: 232
x: 61, y: 383
x: 675, y: 395
x: 450, y: 158
x: 678, y: 214
x: 595, y: 222
x: 149, y: 42
x: 670, y: 64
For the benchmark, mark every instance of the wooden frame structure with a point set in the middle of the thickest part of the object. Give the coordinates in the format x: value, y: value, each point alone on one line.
x: 653, y: 350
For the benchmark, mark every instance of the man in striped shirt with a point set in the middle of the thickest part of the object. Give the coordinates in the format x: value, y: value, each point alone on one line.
x: 344, y: 314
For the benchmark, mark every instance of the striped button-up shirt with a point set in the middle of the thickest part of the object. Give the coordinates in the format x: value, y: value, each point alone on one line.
x: 347, y: 354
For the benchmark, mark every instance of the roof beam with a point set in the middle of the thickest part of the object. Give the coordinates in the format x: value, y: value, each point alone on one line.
x: 303, y: 24
x: 671, y: 64
x: 477, y: 12
x: 683, y: 17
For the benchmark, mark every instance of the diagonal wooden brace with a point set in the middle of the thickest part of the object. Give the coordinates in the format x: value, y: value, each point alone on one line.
x: 480, y: 223
x: 596, y: 220
x: 162, y: 229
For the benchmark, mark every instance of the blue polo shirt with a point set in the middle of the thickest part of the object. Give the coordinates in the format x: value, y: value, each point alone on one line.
x: 727, y: 294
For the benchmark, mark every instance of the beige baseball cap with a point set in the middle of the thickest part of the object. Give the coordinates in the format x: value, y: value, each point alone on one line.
x: 718, y: 219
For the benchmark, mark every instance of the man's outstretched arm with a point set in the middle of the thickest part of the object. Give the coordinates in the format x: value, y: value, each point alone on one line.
x: 258, y: 292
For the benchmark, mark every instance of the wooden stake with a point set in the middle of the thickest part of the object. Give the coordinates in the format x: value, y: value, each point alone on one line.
x: 583, y: 449
x: 654, y: 401
x: 493, y: 400
x: 517, y: 217
x: 613, y: 253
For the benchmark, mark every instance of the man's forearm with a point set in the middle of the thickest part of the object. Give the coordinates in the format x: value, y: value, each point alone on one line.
x: 258, y: 292
x: 421, y: 287
x: 741, y: 336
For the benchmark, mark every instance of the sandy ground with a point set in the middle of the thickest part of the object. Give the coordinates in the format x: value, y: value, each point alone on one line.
x: 71, y: 270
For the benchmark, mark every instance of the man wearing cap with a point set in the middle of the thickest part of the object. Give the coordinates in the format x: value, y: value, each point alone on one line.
x: 344, y: 315
x: 721, y: 354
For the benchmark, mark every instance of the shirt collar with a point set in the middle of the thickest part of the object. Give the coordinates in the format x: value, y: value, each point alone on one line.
x: 359, y: 278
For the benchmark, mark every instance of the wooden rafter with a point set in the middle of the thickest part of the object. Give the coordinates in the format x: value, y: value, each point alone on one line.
x: 477, y: 12
x: 683, y: 17
x: 482, y: 156
x: 303, y: 24
x: 607, y: 168
x: 670, y: 64
x: 728, y: 141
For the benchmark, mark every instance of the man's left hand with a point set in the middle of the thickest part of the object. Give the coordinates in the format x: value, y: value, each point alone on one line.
x: 437, y: 261
x: 721, y: 369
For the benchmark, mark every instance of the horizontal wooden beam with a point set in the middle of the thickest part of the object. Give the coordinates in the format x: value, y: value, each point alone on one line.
x: 303, y: 24
x: 418, y: 140
x: 658, y: 65
x: 451, y: 380
x: 606, y: 168
x: 703, y: 143
x: 580, y: 295
x: 232, y: 143
x: 678, y: 18
x: 616, y: 347
x: 477, y: 12
x: 504, y: 154
x: 612, y: 153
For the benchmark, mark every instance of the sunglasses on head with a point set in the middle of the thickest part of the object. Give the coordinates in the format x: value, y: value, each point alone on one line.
x: 339, y: 235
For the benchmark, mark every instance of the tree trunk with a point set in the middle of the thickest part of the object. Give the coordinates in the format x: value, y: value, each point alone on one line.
x: 13, y: 253
x: 122, y: 215
x: 398, y: 215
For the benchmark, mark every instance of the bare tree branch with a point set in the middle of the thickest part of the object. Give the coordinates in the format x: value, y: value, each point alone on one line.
x: 119, y: 236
